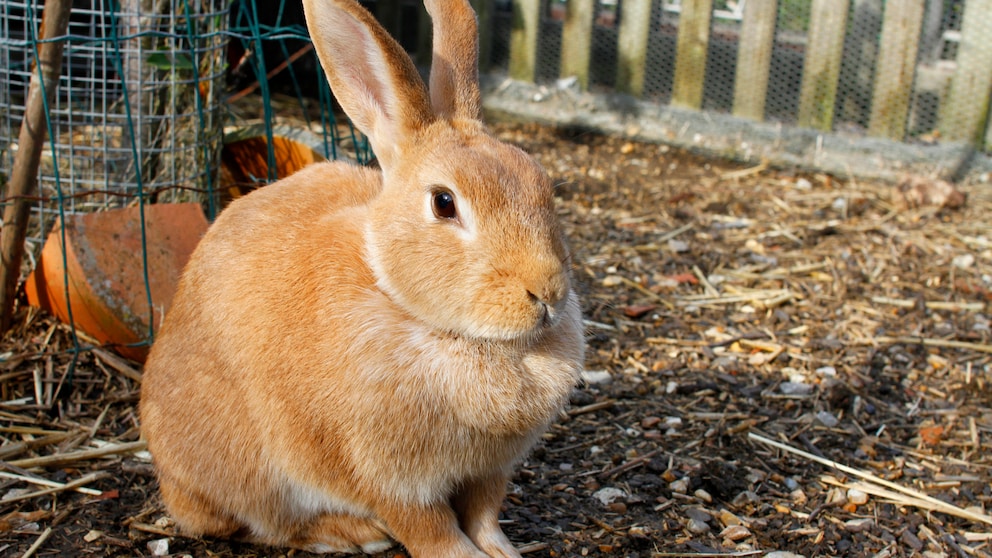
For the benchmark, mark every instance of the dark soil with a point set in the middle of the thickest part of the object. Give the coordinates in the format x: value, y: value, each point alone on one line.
x: 721, y: 303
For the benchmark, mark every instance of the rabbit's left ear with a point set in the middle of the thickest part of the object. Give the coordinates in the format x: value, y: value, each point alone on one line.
x: 454, y: 81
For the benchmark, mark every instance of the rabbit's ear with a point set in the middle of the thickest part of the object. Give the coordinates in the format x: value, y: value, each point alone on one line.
x: 370, y: 74
x: 455, y: 64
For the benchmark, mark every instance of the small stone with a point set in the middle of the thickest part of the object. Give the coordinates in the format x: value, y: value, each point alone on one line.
x: 596, y: 377
x: 728, y: 518
x: 963, y: 262
x: 617, y: 507
x: 795, y: 388
x: 639, y: 532
x: 677, y: 246
x: 612, y: 281
x: 698, y: 514
x: 680, y: 486
x: 856, y: 497
x: 671, y: 387
x: 827, y: 419
x: 803, y: 184
x: 704, y: 496
x: 158, y: 547
x: 735, y: 533
x: 826, y: 371
x: 608, y: 495
x: 909, y: 539
x: 791, y: 483
x: 858, y: 525
x: 650, y: 422
x: 697, y: 527
x: 673, y: 422
x: 798, y: 496
x: 746, y: 497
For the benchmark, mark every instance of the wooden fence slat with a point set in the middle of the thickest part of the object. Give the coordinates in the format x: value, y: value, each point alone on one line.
x: 690, y: 56
x: 965, y: 109
x: 632, y: 46
x: 896, y: 68
x: 576, y: 40
x: 754, y: 58
x: 821, y: 67
x: 523, y: 39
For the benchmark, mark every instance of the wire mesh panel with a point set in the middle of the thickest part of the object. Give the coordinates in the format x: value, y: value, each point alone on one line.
x: 138, y: 108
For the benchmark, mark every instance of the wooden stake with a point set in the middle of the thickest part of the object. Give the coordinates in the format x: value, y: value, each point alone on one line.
x: 24, y: 175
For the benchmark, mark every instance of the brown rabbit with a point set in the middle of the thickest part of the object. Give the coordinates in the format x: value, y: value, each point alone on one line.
x: 353, y: 356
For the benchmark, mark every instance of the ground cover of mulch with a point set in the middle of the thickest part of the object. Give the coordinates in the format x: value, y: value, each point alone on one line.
x: 750, y: 331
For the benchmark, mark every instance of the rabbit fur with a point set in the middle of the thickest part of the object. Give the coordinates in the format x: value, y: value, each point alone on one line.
x: 353, y: 356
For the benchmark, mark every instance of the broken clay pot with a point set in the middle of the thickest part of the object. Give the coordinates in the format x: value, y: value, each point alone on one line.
x: 104, y: 269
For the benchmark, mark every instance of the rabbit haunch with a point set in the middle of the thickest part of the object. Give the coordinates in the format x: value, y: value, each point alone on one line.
x: 341, y: 364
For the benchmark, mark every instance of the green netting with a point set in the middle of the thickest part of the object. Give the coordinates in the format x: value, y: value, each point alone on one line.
x: 147, y: 94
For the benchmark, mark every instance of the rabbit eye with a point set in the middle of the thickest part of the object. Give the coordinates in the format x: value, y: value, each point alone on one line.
x: 443, y: 204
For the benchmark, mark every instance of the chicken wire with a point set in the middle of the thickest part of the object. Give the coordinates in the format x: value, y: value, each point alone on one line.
x: 936, y: 58
x: 138, y: 107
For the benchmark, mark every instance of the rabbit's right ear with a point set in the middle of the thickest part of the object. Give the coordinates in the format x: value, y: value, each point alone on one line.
x: 370, y: 74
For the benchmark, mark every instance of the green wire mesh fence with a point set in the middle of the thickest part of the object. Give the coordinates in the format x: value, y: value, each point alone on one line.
x: 150, y: 97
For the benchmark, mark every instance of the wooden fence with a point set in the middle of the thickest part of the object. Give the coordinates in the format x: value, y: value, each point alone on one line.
x: 964, y: 106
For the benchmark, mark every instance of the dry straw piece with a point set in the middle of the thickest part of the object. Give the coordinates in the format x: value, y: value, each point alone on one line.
x: 902, y: 494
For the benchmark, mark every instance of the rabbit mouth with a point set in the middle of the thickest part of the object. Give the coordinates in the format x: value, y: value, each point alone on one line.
x: 548, y: 315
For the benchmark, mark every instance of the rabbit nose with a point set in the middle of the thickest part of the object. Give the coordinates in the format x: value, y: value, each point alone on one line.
x: 549, y: 291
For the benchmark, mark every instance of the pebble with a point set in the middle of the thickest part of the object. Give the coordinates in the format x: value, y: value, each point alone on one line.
x: 680, y: 486
x: 612, y: 281
x: 697, y: 527
x: 791, y: 483
x: 909, y: 539
x: 639, y: 532
x: 703, y: 496
x: 608, y: 495
x: 650, y: 422
x: 963, y: 262
x: 596, y: 377
x: 856, y: 497
x: 826, y: 371
x: 858, y: 525
x: 728, y: 518
x: 678, y: 246
x: 746, y: 497
x: 158, y: 547
x: 827, y: 419
x: 617, y: 507
x: 795, y: 388
x: 699, y: 514
x: 798, y: 496
x: 735, y: 532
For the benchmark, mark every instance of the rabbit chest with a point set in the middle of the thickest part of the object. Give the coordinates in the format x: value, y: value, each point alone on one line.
x: 415, y: 413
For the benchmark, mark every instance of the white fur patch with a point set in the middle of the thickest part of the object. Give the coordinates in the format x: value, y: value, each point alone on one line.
x: 377, y: 546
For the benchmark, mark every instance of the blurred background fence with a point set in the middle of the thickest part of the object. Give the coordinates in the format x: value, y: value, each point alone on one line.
x: 907, y: 70
x: 175, y: 101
